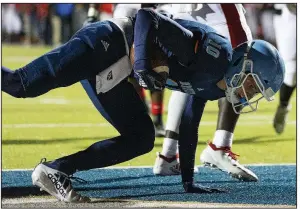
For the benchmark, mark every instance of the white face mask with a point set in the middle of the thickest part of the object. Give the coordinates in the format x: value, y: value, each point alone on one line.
x: 239, y: 104
x: 238, y: 81
x: 230, y: 96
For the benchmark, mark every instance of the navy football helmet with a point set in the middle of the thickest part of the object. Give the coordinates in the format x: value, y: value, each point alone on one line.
x: 260, y: 60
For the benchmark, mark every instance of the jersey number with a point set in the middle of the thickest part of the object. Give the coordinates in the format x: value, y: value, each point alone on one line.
x: 213, y: 49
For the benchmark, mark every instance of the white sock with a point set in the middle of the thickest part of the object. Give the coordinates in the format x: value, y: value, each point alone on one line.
x: 169, y: 147
x: 176, y: 107
x: 223, y: 138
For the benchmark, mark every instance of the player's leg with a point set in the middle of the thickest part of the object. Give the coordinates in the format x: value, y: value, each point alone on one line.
x: 218, y: 152
x: 90, y: 89
x: 166, y: 162
x: 286, y: 43
x: 157, y: 112
x: 129, y: 116
x: 79, y: 58
x: 284, y: 106
x: 130, y: 10
x: 57, y: 68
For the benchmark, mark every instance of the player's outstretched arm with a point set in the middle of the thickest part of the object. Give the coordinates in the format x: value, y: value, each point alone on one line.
x: 188, y: 137
x: 188, y: 140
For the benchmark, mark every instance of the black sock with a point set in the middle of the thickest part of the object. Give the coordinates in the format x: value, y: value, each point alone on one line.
x: 285, y: 94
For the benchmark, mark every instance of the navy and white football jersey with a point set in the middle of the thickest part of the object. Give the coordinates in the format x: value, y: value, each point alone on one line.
x: 198, y: 56
x: 211, y: 61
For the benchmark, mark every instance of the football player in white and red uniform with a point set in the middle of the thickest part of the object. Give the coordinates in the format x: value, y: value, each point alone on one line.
x: 285, y: 15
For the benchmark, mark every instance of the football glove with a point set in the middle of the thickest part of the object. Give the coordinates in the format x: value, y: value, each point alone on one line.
x: 190, y: 187
x: 151, y: 80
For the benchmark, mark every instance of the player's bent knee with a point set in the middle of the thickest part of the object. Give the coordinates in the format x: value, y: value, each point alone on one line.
x: 146, y: 138
x: 147, y: 143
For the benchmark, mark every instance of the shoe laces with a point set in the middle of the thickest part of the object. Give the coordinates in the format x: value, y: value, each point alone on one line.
x: 227, y: 150
x: 167, y: 159
x: 66, y: 180
x: 66, y: 177
x: 231, y: 154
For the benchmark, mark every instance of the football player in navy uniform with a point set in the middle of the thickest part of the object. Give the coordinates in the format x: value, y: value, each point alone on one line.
x: 229, y: 21
x: 199, y: 62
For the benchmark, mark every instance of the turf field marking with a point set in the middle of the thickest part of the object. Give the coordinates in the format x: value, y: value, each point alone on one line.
x: 91, y: 125
x: 15, y: 201
x: 151, y: 204
x: 129, y: 167
x: 49, y: 100
x: 19, y: 59
x: 100, y: 202
x: 55, y: 125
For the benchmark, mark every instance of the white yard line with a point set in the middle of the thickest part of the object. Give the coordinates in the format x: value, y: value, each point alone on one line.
x: 19, y: 59
x: 47, y: 101
x: 129, y: 167
x: 14, y: 201
x: 91, y: 125
x: 56, y: 125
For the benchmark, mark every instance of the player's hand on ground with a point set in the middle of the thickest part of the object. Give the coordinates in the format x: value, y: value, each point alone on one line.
x: 190, y: 187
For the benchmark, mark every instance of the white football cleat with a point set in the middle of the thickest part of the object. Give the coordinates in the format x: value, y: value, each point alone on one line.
x: 56, y: 183
x: 280, y: 118
x: 225, y: 160
x: 165, y: 166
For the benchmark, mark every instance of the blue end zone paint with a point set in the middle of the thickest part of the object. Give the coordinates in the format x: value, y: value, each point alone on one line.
x: 277, y: 185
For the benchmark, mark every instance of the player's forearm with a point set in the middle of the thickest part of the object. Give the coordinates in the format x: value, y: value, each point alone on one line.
x: 153, y: 28
x: 143, y: 38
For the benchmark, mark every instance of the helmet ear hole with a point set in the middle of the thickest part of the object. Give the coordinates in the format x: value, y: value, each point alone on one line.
x: 266, y: 81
